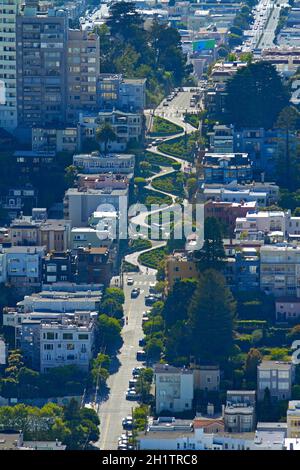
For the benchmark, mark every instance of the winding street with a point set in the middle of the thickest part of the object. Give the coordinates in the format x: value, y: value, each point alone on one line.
x: 113, y: 406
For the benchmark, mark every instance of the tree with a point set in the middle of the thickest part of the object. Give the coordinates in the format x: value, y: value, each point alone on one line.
x: 253, y: 359
x: 100, y: 366
x: 211, y: 314
x: 109, y: 330
x: 105, y: 134
x: 177, y: 302
x: 124, y: 20
x: 212, y: 253
x: 70, y: 174
x: 250, y: 92
x: 287, y: 121
x: 116, y: 294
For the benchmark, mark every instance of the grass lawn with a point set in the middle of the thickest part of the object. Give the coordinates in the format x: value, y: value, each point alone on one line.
x: 181, y: 147
x: 163, y: 127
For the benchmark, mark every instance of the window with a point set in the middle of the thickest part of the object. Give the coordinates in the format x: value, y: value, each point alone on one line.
x: 70, y: 346
x: 67, y: 336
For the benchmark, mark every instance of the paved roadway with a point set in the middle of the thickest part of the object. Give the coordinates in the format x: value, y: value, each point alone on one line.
x: 116, y: 407
x: 268, y: 36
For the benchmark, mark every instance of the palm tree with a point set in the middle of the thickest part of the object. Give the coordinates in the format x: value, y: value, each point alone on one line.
x: 105, y: 134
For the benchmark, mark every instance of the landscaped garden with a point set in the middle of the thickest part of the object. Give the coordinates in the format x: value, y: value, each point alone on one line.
x: 159, y: 160
x: 172, y: 183
x: 181, y: 147
x: 163, y: 127
x: 153, y: 258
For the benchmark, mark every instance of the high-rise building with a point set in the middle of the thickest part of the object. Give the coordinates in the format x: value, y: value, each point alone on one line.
x: 83, y: 67
x: 41, y: 66
x: 8, y: 80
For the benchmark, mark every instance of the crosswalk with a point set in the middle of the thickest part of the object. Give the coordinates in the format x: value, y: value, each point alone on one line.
x: 141, y: 283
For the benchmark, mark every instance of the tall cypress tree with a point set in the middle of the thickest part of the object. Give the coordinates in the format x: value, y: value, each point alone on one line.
x: 211, y: 313
x: 212, y: 254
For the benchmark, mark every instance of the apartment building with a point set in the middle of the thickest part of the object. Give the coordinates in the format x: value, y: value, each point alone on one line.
x: 270, y: 191
x: 128, y: 127
x: 41, y: 66
x: 239, y: 412
x: 64, y: 139
x: 23, y: 266
x: 226, y: 194
x: 93, y: 265
x: 57, y: 267
x: 226, y: 168
x: 278, y: 377
x: 8, y: 68
x: 180, y: 265
x: 124, y: 94
x: 67, y: 343
x: 96, y: 162
x: 287, y: 309
x: 221, y: 139
x: 228, y: 212
x: 259, y: 224
x: 79, y: 204
x: 174, y: 388
x: 280, y: 270
x: 65, y: 297
x: 83, y: 68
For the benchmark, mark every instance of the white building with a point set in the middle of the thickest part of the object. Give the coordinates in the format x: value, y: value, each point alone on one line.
x: 79, y: 205
x: 100, y: 163
x: 171, y: 434
x: 256, y: 225
x: 174, y: 388
x: 66, y: 343
x: 229, y: 195
x: 280, y: 270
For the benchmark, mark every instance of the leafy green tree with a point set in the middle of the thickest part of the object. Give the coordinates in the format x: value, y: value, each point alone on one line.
x: 212, y: 254
x: 109, y: 331
x: 116, y: 294
x: 177, y: 302
x: 250, y: 92
x: 211, y: 314
x: 253, y: 359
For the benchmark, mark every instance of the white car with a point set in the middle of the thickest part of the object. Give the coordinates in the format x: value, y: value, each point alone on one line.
x: 130, y: 281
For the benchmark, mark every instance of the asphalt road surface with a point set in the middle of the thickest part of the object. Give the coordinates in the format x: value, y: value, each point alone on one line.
x: 116, y: 407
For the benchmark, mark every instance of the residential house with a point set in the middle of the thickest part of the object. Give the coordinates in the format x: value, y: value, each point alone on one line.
x: 174, y: 388
x: 276, y: 376
x: 226, y: 168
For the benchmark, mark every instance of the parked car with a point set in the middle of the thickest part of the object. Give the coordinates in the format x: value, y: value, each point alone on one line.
x: 150, y: 300
x: 130, y: 281
x: 141, y: 355
x: 136, y: 371
x: 142, y: 342
x: 132, y: 383
x: 127, y: 423
x: 135, y: 293
x: 122, y: 447
x: 165, y: 103
x: 132, y: 394
x: 144, y: 319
